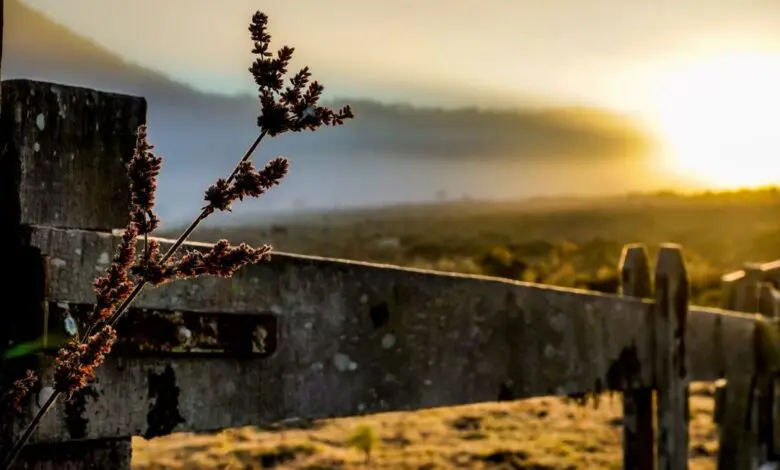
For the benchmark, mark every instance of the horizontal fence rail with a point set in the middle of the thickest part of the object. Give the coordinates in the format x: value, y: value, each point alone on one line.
x: 377, y: 338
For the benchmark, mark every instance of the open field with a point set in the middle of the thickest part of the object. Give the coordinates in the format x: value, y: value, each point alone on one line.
x: 562, y: 242
x: 540, y: 434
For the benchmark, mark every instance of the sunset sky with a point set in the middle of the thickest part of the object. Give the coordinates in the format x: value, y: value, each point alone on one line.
x: 673, y: 63
x: 605, y: 52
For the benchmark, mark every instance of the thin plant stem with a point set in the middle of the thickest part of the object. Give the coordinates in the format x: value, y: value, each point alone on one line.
x: 28, y: 431
x: 112, y: 320
x: 16, y: 448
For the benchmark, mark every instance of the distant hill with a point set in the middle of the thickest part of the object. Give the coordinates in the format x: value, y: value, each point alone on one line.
x: 471, y: 132
x: 199, y: 132
x: 39, y: 48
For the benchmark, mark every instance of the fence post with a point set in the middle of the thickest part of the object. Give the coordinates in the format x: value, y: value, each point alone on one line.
x: 745, y: 404
x: 638, y: 431
x: 671, y: 368
x: 767, y: 385
x: 729, y: 286
x: 770, y: 299
x: 64, y: 151
x: 747, y: 288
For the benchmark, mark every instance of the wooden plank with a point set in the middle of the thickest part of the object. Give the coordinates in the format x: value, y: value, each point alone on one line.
x: 719, y: 397
x: 63, y: 159
x: 772, y: 272
x: 729, y: 285
x: 769, y: 301
x: 638, y: 431
x: 65, y: 153
x: 733, y: 414
x: 766, y: 401
x: 331, y: 377
x: 747, y: 432
x: 299, y: 288
x: 737, y: 440
x: 719, y: 342
x: 377, y: 338
x: 672, y: 375
x: 108, y: 454
x: 722, y: 345
x: 748, y: 287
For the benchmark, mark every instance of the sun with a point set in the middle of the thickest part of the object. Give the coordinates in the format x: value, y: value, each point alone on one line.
x: 719, y: 120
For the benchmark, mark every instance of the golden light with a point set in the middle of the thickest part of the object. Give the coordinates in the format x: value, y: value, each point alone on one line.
x: 719, y: 120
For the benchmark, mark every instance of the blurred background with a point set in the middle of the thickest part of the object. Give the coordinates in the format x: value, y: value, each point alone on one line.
x: 514, y: 138
x: 489, y: 100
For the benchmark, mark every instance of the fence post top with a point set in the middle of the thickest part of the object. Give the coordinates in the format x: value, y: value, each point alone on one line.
x: 634, y: 257
x: 752, y: 266
x: 670, y: 262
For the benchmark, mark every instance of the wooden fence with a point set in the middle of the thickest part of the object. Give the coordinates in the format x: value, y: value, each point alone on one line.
x: 752, y: 289
x: 310, y: 337
x: 307, y: 337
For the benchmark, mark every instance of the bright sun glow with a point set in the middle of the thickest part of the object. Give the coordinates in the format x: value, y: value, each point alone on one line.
x: 720, y: 120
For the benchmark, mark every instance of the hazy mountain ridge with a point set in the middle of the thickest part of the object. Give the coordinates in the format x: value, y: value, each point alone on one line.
x: 531, y: 133
x: 39, y: 48
x: 198, y: 133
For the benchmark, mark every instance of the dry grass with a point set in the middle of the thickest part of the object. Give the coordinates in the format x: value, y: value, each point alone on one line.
x: 539, y: 434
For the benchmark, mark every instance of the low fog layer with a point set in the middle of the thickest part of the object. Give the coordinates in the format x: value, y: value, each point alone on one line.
x: 388, y: 154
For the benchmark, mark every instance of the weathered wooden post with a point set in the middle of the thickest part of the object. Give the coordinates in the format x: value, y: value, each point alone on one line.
x: 671, y: 368
x: 638, y: 431
x: 63, y: 165
x: 766, y: 384
x: 745, y: 404
x: 729, y: 284
x: 732, y: 292
x: 748, y: 288
x: 769, y: 303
